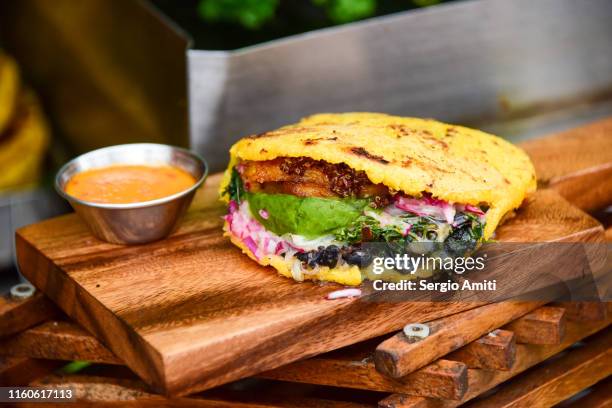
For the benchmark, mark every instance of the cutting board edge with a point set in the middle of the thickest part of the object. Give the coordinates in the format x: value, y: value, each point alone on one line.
x: 153, y: 368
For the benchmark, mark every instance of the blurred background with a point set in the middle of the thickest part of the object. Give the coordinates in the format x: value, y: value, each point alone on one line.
x: 76, y: 75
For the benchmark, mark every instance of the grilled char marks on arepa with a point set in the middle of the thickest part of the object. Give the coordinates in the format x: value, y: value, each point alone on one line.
x: 408, y: 155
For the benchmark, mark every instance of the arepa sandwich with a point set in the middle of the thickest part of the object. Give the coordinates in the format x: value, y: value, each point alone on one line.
x: 308, y: 198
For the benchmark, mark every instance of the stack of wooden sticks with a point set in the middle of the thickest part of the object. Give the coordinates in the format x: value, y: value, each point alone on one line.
x: 513, y: 353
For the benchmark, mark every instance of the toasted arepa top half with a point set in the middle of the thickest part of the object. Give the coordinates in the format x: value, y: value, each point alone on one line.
x: 411, y: 155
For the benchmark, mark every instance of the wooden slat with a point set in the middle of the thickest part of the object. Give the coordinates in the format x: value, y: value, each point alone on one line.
x: 480, y: 381
x: 545, y: 325
x: 57, y: 340
x: 607, y: 291
x: 582, y: 311
x: 19, y: 314
x: 556, y: 381
x: 494, y: 351
x: 576, y: 163
x: 130, y: 392
x: 442, y: 379
x: 396, y: 356
x: 114, y: 391
x: 19, y: 371
x: 598, y: 396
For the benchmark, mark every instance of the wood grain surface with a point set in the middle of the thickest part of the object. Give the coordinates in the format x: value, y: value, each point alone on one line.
x: 494, y: 351
x: 57, y: 340
x: 19, y: 314
x: 598, y: 396
x: 191, y: 312
x: 545, y: 325
x: 441, y: 379
x: 527, y: 355
x: 585, y: 310
x: 398, y: 355
x: 558, y: 380
x: 576, y: 163
x: 18, y: 371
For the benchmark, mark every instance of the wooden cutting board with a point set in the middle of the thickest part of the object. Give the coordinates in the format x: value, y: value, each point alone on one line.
x: 191, y: 312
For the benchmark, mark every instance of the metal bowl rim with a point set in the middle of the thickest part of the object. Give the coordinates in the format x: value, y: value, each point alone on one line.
x: 141, y: 204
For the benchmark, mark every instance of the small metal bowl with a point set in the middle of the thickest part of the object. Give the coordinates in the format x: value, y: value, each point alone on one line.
x: 134, y: 223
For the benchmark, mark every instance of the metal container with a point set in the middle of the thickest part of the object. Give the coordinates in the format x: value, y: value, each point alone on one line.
x: 134, y: 223
x: 517, y: 68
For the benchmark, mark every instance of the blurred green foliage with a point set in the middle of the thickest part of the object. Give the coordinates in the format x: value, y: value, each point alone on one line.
x: 253, y: 14
x: 74, y: 367
x: 249, y: 13
x: 425, y: 3
x: 344, y: 11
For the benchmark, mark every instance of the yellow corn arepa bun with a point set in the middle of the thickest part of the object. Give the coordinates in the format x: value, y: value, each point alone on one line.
x: 9, y: 89
x: 411, y: 155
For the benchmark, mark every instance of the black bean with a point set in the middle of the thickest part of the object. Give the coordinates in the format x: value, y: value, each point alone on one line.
x: 460, y: 241
x: 329, y: 256
x: 302, y: 256
x: 313, y: 258
x: 321, y: 256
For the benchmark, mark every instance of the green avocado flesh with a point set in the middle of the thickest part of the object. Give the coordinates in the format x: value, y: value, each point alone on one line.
x: 310, y: 217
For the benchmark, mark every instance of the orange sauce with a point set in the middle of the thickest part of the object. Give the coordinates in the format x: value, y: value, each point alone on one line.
x: 122, y: 184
